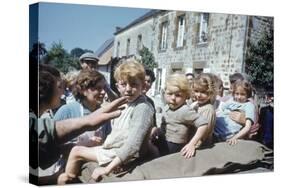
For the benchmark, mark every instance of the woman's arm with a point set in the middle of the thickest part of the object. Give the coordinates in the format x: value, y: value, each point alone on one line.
x: 68, y: 129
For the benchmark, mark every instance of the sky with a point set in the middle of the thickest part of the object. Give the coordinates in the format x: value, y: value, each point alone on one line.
x: 83, y: 26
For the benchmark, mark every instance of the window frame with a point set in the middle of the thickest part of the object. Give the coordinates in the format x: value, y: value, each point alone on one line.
x: 180, y: 31
x: 164, y: 36
x: 203, y: 28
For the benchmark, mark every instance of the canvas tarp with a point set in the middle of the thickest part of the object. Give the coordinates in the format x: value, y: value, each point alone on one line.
x: 218, y: 159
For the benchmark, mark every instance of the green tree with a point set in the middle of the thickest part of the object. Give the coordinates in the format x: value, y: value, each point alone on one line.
x: 60, y: 58
x: 259, y: 61
x: 147, y: 58
x: 76, y: 52
x: 38, y: 51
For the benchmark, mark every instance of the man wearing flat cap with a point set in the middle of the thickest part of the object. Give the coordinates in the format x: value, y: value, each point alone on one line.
x: 89, y: 60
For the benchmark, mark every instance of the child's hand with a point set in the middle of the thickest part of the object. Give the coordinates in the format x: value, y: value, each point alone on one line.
x: 154, y: 133
x: 188, y: 151
x: 96, y: 140
x: 98, y: 173
x: 232, y: 141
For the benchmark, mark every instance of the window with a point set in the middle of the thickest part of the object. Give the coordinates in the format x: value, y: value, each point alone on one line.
x: 203, y: 30
x: 139, y: 43
x: 164, y: 32
x: 128, y: 47
x: 198, y: 71
x: 118, y: 49
x: 180, y: 35
x: 177, y: 70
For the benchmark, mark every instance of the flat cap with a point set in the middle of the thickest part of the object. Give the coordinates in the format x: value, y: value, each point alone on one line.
x: 88, y: 56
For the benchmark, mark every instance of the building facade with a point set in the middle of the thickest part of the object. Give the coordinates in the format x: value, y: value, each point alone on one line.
x: 191, y: 42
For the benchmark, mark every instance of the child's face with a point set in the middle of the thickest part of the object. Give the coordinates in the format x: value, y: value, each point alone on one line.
x: 240, y: 95
x: 201, y: 95
x: 95, y: 95
x: 131, y: 89
x: 174, y: 97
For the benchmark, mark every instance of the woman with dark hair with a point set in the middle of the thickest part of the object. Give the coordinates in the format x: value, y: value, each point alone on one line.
x: 50, y: 89
x: 47, y: 136
x: 89, y: 94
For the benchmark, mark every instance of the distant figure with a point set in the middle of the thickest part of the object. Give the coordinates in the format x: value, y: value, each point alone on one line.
x: 233, y: 78
x: 70, y: 81
x: 190, y: 78
x: 149, y: 79
x: 88, y: 60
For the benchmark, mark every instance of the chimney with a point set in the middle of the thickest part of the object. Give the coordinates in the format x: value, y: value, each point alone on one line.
x: 117, y: 28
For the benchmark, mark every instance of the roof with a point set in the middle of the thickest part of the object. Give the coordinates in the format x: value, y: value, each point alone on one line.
x: 138, y: 20
x: 104, y: 52
x: 104, y: 47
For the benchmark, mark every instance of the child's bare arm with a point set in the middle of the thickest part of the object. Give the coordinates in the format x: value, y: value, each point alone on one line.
x: 189, y: 149
x: 242, y: 133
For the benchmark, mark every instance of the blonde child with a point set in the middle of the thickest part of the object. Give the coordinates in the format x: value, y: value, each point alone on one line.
x: 205, y: 94
x: 179, y: 119
x: 70, y: 79
x: 228, y: 130
x: 129, y: 136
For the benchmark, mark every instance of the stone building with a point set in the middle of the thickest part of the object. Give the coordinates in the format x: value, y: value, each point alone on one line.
x: 191, y: 42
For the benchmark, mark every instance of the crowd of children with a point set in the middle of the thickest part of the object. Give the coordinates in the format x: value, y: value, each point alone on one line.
x: 195, y: 115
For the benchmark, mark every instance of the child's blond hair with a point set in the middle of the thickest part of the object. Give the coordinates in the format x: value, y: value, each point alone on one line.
x: 180, y: 81
x: 70, y: 78
x: 130, y: 70
x: 205, y: 82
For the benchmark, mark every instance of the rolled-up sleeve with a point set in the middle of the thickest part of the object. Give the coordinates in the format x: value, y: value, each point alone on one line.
x: 49, y: 150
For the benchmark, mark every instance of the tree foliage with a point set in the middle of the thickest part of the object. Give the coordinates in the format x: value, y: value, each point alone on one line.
x: 61, y: 59
x: 147, y: 58
x: 38, y: 51
x: 259, y: 61
x: 76, y: 52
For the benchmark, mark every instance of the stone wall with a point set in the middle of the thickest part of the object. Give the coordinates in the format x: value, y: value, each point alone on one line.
x: 144, y: 29
x: 222, y: 54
